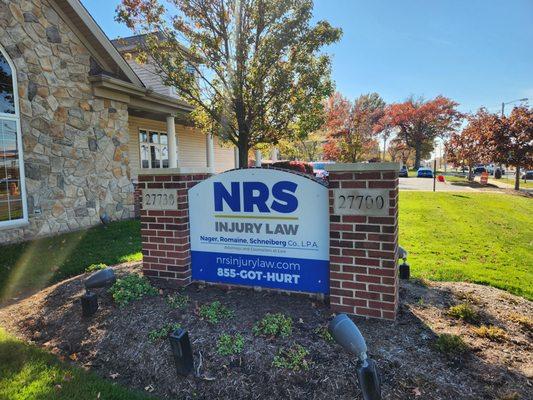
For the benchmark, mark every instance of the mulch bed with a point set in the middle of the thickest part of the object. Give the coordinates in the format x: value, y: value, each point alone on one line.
x: 114, y: 344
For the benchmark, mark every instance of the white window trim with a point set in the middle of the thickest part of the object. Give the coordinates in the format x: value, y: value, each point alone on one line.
x: 148, y: 130
x: 16, y: 117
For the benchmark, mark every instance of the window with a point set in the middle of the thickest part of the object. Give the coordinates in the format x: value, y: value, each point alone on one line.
x: 154, y: 149
x: 12, y: 191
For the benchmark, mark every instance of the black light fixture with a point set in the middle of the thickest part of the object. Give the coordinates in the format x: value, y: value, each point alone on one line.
x: 182, y: 351
x: 89, y: 301
x: 346, y: 333
x: 405, y: 270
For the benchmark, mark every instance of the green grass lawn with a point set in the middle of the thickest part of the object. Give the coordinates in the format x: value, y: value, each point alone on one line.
x: 31, y: 266
x: 510, y: 181
x: 484, y: 238
x: 27, y: 372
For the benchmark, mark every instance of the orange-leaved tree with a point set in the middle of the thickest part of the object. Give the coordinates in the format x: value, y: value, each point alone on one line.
x: 471, y: 146
x: 511, y: 139
x: 420, y: 122
x: 350, y: 127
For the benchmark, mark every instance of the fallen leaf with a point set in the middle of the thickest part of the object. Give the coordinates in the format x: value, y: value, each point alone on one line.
x: 114, y: 375
x: 73, y: 356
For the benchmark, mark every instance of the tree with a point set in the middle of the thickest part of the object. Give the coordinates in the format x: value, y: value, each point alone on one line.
x: 470, y: 146
x: 419, y: 122
x: 511, y: 139
x: 399, y: 151
x: 350, y: 128
x: 253, y: 68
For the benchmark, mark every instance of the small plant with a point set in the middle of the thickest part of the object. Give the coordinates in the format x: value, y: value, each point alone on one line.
x: 450, y: 344
x: 162, y: 332
x: 274, y: 325
x: 469, y: 297
x: 524, y: 321
x: 510, y: 396
x: 323, y: 332
x: 177, y: 301
x: 215, y: 312
x: 95, y: 267
x: 130, y: 288
x: 293, y: 358
x: 463, y: 311
x: 490, y: 332
x: 228, y: 345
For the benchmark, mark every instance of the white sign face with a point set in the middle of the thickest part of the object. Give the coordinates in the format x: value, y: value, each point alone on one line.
x: 371, y: 202
x: 261, y: 227
x: 159, y: 199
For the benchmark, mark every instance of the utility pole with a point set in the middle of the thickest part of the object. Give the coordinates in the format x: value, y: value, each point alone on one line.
x: 511, y: 102
x: 434, y: 172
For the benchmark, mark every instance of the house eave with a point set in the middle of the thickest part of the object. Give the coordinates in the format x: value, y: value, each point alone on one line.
x: 137, y: 97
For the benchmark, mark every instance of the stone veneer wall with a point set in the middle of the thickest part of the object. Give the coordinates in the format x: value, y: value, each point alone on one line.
x: 75, y: 145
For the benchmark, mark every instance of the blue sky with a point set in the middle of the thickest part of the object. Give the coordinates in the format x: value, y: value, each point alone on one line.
x: 478, y: 53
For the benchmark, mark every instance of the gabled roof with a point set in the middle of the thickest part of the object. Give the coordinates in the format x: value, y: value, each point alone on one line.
x: 90, y: 33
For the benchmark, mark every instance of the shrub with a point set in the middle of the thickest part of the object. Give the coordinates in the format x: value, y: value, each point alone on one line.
x: 95, y: 267
x: 274, y: 325
x: 463, y: 311
x: 162, y: 332
x: 323, y: 332
x: 298, y: 166
x: 228, y: 345
x: 215, y: 312
x: 177, y: 301
x: 293, y: 358
x: 450, y: 344
x: 130, y: 288
x: 490, y: 332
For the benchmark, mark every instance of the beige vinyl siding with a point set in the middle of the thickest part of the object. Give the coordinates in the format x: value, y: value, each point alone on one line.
x: 191, y: 146
x: 224, y: 157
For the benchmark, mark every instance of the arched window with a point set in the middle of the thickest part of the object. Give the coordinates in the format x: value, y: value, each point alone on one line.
x: 13, y: 210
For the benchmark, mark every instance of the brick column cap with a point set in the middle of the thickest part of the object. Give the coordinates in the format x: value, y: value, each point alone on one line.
x: 356, y: 167
x: 178, y: 171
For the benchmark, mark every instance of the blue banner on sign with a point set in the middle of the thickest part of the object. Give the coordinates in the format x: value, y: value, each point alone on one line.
x: 294, y: 274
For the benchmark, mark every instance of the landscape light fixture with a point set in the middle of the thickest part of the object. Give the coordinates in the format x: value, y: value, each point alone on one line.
x: 405, y: 270
x: 182, y: 351
x: 89, y: 301
x: 346, y: 333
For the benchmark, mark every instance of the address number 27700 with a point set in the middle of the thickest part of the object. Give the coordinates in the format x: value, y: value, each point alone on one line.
x: 373, y: 202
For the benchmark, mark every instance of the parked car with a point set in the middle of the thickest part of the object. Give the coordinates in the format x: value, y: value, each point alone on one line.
x: 404, y: 173
x: 319, y: 168
x: 479, y: 170
x: 424, y: 172
x: 527, y: 175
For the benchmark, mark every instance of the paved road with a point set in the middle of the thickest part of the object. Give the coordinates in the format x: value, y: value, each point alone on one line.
x: 427, y: 184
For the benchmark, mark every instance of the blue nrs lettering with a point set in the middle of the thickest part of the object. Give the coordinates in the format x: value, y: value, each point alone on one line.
x: 256, y: 196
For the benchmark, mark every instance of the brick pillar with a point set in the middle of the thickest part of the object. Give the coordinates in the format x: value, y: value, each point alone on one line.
x: 364, y: 242
x: 165, y: 226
